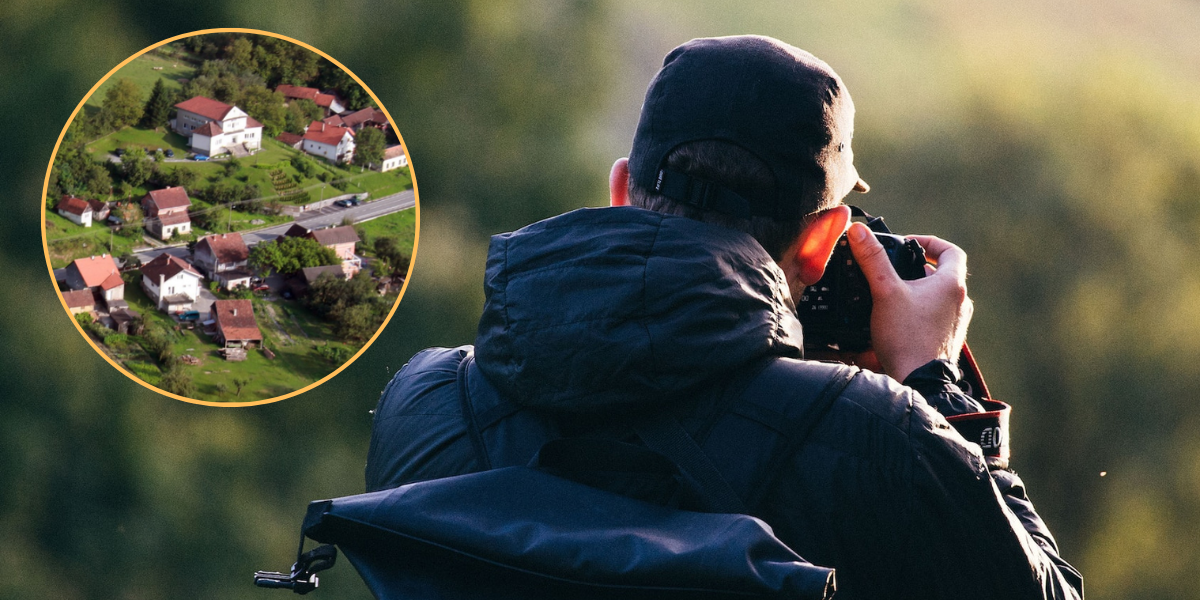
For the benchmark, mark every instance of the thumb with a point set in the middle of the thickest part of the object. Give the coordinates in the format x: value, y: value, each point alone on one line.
x: 873, y: 260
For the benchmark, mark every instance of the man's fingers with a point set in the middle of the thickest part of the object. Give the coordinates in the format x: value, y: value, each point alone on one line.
x: 872, y: 258
x: 949, y: 258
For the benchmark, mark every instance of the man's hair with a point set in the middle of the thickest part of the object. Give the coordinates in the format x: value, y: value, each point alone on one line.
x: 738, y: 170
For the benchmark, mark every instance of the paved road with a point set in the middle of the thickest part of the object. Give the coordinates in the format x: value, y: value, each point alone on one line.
x: 325, y: 217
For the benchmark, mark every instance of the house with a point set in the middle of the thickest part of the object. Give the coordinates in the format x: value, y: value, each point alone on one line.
x: 79, y: 301
x: 367, y: 117
x: 77, y: 210
x: 393, y: 158
x: 166, y: 212
x: 330, y: 102
x: 99, y: 275
x: 100, y: 209
x: 302, y: 280
x: 123, y: 319
x: 290, y: 139
x: 171, y: 283
x: 217, y: 128
x: 335, y: 144
x: 224, y: 258
x: 342, y: 240
x: 235, y: 323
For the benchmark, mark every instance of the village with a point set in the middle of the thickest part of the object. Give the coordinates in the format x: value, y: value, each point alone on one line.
x: 235, y: 296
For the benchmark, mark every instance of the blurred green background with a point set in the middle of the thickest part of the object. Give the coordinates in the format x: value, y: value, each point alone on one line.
x: 1057, y: 142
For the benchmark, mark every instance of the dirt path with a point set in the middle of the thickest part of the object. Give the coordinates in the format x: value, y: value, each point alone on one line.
x: 286, y: 338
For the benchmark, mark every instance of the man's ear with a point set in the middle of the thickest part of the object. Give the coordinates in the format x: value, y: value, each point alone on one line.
x: 618, y: 183
x: 816, y: 242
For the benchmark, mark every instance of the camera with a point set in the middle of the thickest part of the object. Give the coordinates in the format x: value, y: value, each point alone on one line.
x: 836, y: 311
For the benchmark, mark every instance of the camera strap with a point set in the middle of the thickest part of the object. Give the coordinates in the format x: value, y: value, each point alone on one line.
x: 989, y: 429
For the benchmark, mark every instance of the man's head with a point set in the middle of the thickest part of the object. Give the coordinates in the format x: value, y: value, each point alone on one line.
x: 749, y: 133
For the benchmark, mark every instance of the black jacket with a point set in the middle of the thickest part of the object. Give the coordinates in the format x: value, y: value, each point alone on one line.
x: 599, y: 315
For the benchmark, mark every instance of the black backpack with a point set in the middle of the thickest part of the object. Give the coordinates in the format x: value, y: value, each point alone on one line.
x: 538, y: 531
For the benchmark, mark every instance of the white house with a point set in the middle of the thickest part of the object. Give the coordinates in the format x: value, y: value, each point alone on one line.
x: 216, y: 127
x: 171, y: 283
x: 335, y: 144
x: 393, y: 158
x: 78, y: 210
x: 224, y: 258
x: 167, y: 212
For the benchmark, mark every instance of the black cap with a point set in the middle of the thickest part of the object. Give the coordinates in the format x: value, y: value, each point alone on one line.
x: 776, y: 101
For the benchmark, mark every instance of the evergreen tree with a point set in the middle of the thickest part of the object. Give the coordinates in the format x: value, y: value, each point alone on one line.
x: 158, y: 108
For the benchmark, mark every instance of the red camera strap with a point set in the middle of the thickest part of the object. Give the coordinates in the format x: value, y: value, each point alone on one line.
x: 989, y: 429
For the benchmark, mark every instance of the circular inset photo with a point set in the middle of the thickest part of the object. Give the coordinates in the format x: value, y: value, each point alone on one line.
x: 230, y: 217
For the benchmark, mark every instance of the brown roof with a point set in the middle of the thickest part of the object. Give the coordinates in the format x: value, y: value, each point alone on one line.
x: 172, y: 197
x: 173, y: 218
x: 226, y: 247
x: 325, y: 133
x: 235, y: 320
x: 290, y: 139
x: 369, y: 114
x: 97, y: 205
x: 79, y: 298
x: 311, y: 274
x: 167, y: 266
x: 335, y: 235
x: 393, y: 151
x: 95, y: 270
x: 209, y: 129
x: 205, y: 107
x: 335, y: 120
x: 251, y: 122
x: 73, y: 205
x: 293, y: 91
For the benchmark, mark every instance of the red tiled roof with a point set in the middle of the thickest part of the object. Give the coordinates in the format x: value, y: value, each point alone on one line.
x: 205, y: 107
x: 235, y: 320
x: 174, y: 218
x: 292, y: 91
x: 251, y: 122
x: 324, y: 133
x: 324, y: 100
x: 335, y: 235
x: 290, y: 139
x: 97, y: 205
x: 393, y: 151
x: 73, y: 205
x: 335, y: 120
x: 172, y: 197
x: 167, y: 266
x: 79, y: 298
x: 226, y: 247
x: 95, y: 270
x: 369, y: 114
x: 209, y: 129
x: 113, y: 280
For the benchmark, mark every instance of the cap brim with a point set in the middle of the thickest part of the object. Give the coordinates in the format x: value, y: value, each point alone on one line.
x: 861, y: 186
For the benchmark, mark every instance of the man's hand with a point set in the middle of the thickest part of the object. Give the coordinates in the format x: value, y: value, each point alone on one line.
x: 914, y: 322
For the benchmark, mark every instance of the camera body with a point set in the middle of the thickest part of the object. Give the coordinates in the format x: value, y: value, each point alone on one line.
x: 836, y: 311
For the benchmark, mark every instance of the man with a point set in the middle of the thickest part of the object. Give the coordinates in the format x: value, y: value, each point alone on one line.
x: 599, y: 318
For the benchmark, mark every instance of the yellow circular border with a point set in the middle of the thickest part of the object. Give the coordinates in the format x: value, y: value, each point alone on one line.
x: 416, y: 207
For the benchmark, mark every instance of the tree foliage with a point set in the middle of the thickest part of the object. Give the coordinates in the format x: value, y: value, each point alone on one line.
x: 353, y: 306
x: 157, y: 112
x: 290, y: 254
x: 135, y: 167
x: 178, y: 380
x: 368, y: 147
x: 123, y: 104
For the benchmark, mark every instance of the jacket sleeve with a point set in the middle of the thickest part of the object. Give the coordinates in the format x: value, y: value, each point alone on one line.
x: 965, y: 513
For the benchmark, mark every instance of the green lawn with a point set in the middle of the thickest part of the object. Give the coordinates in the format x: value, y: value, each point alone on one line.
x: 293, y: 334
x: 130, y: 137
x: 141, y: 71
x: 68, y: 241
x: 400, y: 225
